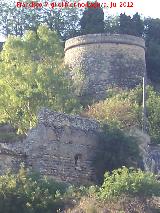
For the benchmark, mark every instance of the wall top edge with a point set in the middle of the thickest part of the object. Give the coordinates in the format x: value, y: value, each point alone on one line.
x: 104, y: 38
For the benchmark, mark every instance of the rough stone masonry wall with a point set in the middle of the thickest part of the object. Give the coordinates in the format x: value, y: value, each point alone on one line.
x: 61, y: 146
x: 152, y: 159
x: 10, y: 159
x: 106, y: 60
x: 150, y: 153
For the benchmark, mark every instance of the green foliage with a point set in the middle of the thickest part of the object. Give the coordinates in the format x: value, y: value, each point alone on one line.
x: 111, y: 24
x: 137, y: 25
x: 129, y: 182
x: 67, y: 24
x: 123, y: 109
x: 153, y: 111
x: 92, y: 20
x: 32, y: 75
x: 152, y: 30
x: 131, y: 26
x: 152, y: 61
x: 26, y: 193
x: 74, y: 192
x: 118, y: 149
x: 15, y: 20
x: 125, y: 22
x: 118, y: 110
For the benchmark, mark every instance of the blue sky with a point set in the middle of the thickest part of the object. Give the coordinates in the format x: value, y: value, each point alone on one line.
x: 147, y: 8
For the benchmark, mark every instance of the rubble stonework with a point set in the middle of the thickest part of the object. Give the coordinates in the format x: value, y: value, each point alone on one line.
x: 150, y: 153
x: 152, y: 159
x: 106, y: 60
x: 61, y: 146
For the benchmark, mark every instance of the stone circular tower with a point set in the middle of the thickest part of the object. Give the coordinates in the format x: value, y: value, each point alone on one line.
x: 106, y: 60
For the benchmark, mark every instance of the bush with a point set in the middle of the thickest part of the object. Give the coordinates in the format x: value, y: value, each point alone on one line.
x: 29, y: 193
x: 25, y: 193
x: 118, y: 149
x: 129, y: 182
x: 123, y: 109
x: 117, y: 110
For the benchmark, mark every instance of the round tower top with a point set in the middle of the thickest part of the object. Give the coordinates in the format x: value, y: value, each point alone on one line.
x: 104, y: 38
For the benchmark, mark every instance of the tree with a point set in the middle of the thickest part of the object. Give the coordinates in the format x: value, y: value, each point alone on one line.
x: 111, y: 24
x: 152, y: 37
x: 33, y: 76
x: 92, y: 20
x: 64, y: 22
x: 137, y: 25
x: 125, y: 24
x: 131, y: 26
x: 15, y: 21
x: 152, y: 61
x: 152, y: 30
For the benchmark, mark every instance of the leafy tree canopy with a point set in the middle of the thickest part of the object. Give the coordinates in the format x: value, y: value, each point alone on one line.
x: 131, y: 26
x: 32, y: 75
x: 152, y: 37
x: 92, y: 20
x: 15, y: 21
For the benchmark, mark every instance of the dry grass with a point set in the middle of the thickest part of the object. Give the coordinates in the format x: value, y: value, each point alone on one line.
x: 122, y: 205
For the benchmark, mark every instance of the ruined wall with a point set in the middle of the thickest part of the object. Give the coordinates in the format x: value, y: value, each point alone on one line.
x: 150, y: 153
x: 152, y: 159
x: 61, y: 146
x: 106, y: 60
